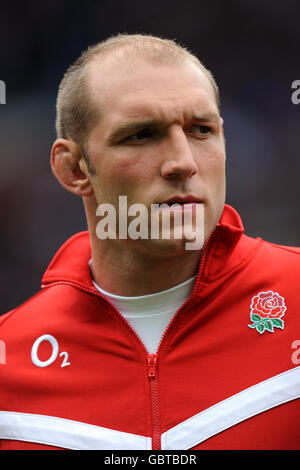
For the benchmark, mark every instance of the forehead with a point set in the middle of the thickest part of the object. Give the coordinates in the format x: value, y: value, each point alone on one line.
x: 161, y: 92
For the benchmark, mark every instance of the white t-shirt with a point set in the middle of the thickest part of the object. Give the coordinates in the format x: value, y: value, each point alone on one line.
x: 149, y: 315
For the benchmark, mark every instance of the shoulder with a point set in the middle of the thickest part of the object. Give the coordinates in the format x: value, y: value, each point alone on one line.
x: 50, y: 306
x: 24, y: 307
x: 287, y: 255
x: 294, y: 250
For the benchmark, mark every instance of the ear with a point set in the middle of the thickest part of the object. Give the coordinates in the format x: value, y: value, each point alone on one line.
x: 69, y: 167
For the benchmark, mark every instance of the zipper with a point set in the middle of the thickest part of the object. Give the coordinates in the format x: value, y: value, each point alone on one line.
x: 152, y: 374
x: 152, y: 359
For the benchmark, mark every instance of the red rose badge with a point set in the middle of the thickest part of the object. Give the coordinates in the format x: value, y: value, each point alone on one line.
x: 267, y: 310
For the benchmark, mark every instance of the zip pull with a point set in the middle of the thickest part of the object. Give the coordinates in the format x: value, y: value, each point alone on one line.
x: 152, y: 360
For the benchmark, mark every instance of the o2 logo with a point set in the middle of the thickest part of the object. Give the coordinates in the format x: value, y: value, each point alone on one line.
x: 55, y: 349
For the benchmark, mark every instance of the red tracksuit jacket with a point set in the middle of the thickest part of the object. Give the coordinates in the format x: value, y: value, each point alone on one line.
x: 74, y: 375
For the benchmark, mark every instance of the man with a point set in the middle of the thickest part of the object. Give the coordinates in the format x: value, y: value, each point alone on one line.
x: 136, y: 342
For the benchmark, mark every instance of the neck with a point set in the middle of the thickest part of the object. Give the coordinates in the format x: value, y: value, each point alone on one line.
x: 133, y: 268
x: 129, y: 273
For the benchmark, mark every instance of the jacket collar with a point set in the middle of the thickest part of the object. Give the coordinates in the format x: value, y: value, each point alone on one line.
x: 226, y: 249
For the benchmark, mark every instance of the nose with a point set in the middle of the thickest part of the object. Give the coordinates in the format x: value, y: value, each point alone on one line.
x: 178, y: 160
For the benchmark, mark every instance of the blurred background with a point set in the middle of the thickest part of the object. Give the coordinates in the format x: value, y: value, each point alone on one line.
x: 252, y: 48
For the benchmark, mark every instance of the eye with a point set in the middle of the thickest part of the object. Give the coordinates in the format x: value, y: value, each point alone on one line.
x: 200, y: 129
x: 139, y: 136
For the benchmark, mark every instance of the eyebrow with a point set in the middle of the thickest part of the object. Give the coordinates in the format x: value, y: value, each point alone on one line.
x: 137, y: 125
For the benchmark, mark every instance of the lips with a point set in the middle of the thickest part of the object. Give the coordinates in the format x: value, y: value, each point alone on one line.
x: 181, y: 204
x: 183, y: 200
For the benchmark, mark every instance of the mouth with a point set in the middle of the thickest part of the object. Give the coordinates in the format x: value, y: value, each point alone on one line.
x: 180, y: 203
x: 183, y: 200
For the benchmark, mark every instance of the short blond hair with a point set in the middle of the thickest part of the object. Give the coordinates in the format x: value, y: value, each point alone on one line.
x: 75, y: 112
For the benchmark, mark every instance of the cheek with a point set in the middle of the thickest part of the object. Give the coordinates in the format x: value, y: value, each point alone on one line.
x: 218, y: 173
x: 212, y: 168
x: 217, y: 182
x: 135, y: 170
x: 128, y: 176
x: 211, y: 164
